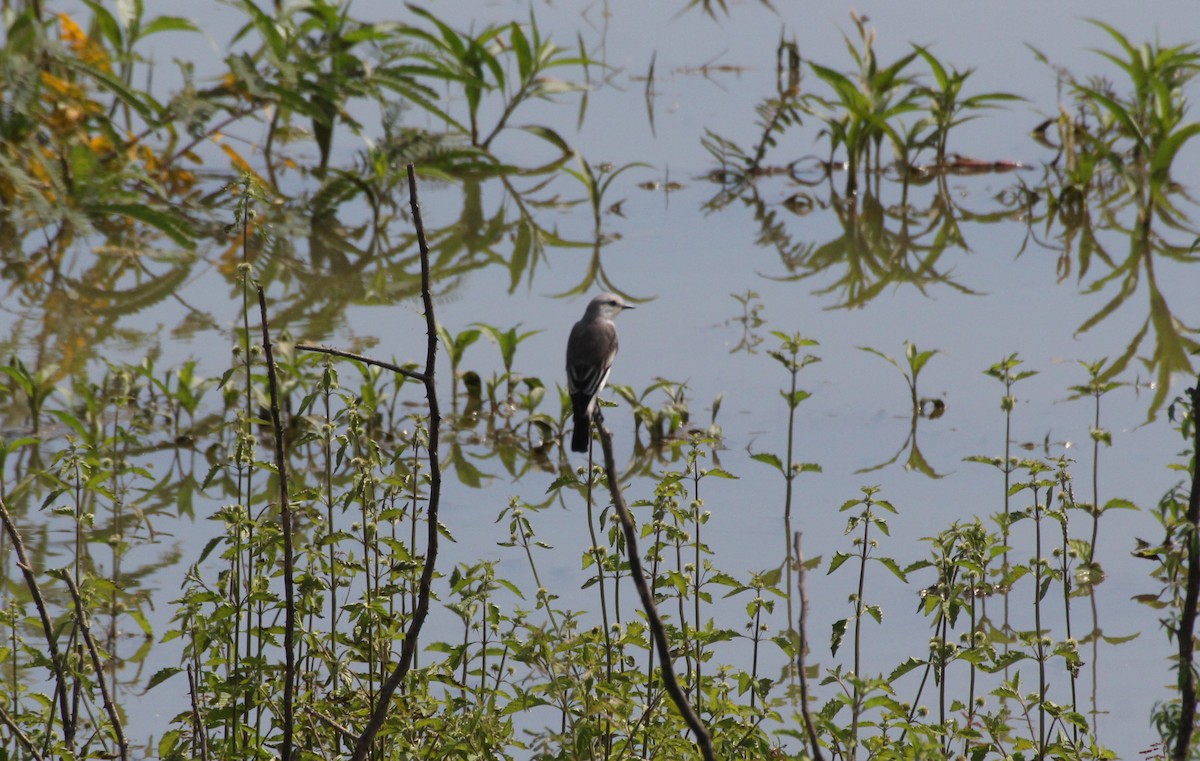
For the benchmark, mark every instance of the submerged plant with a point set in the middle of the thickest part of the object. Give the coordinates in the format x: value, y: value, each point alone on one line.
x: 1132, y: 139
x: 483, y: 65
x: 948, y: 106
x: 922, y: 407
x: 866, y: 107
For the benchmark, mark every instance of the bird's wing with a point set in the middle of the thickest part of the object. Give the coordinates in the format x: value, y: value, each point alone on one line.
x: 587, y: 379
x: 591, y: 350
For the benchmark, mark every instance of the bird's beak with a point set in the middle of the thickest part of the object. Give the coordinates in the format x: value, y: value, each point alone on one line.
x: 627, y: 306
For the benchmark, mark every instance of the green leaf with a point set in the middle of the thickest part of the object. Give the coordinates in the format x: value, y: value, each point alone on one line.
x: 211, y: 545
x: 140, y: 102
x: 108, y: 25
x: 173, y: 224
x: 1004, y: 660
x: 72, y: 422
x: 161, y: 676
x: 550, y: 136
x: 168, y: 24
x: 520, y: 46
x: 140, y: 619
x: 838, y: 634
x: 878, y: 353
x: 769, y: 459
x: 838, y: 559
x: 905, y: 667
x: 1118, y: 503
x: 894, y: 567
x: 794, y: 398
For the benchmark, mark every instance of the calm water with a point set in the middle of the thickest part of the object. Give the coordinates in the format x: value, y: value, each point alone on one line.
x: 685, y: 260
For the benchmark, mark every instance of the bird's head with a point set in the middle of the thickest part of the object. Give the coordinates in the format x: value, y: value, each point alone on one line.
x: 606, y: 305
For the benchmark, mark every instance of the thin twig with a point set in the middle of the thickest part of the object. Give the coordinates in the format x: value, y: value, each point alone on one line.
x: 1187, y: 619
x: 366, y: 360
x: 409, y: 648
x: 703, y: 738
x: 23, y: 738
x: 47, y: 630
x: 342, y: 730
x: 802, y: 647
x: 599, y: 554
x: 200, y: 731
x: 285, y: 520
x: 94, y: 655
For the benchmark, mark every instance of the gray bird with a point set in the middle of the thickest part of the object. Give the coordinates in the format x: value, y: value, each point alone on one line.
x: 591, y: 350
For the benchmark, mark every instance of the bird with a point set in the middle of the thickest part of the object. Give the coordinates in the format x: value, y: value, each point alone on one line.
x: 591, y: 349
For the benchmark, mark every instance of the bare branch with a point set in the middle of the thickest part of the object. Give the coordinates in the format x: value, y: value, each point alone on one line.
x: 409, y: 648
x: 703, y: 738
x: 23, y: 738
x: 94, y: 655
x: 200, y: 731
x: 47, y: 630
x: 285, y: 520
x: 366, y: 360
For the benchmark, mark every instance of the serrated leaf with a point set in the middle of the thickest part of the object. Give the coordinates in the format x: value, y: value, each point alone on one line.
x: 172, y: 223
x: 769, y: 459
x: 838, y: 634
x: 895, y: 568
x: 1118, y: 503
x: 161, y: 676
x: 209, y: 547
x: 905, y: 667
x: 838, y: 559
x: 1004, y: 660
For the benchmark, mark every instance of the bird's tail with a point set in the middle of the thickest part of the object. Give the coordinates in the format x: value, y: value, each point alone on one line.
x: 583, y: 430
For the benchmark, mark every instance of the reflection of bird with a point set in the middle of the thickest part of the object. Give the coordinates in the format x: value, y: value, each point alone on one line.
x: 590, y: 353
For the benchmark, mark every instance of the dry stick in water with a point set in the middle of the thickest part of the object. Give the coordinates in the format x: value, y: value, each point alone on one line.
x: 802, y: 646
x: 285, y: 520
x: 94, y: 655
x: 40, y: 603
x: 703, y: 738
x: 1187, y: 619
x: 408, y: 649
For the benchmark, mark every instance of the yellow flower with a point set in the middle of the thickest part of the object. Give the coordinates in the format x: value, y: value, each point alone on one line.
x: 88, y: 50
